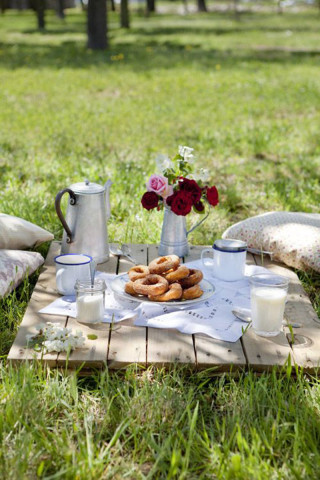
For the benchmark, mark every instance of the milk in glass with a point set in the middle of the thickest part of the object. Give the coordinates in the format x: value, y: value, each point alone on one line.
x: 267, y: 309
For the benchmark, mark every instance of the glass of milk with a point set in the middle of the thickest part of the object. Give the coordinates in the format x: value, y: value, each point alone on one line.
x: 90, y: 301
x: 268, y: 298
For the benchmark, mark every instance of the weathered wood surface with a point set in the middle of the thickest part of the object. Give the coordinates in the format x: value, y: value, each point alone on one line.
x: 213, y: 353
x: 122, y: 344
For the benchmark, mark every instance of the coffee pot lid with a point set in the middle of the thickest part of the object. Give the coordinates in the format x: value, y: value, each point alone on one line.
x: 230, y: 245
x: 87, y: 188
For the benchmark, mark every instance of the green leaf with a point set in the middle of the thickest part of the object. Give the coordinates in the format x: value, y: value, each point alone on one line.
x: 92, y: 336
x: 40, y: 469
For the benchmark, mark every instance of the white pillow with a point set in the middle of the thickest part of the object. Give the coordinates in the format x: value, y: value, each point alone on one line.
x: 15, y: 265
x: 294, y: 238
x: 17, y: 234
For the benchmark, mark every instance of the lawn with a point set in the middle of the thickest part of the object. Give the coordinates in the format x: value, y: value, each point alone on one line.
x: 245, y: 94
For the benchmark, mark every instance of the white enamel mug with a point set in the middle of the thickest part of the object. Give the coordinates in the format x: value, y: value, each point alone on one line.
x: 229, y: 259
x: 70, y: 268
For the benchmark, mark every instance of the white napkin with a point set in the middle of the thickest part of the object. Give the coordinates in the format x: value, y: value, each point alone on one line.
x: 115, y: 311
x: 212, y: 316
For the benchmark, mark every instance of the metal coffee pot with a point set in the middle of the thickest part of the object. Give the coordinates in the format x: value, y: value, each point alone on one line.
x: 85, y: 224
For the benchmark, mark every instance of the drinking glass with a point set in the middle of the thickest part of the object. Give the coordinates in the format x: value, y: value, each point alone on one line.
x: 90, y: 301
x: 268, y: 298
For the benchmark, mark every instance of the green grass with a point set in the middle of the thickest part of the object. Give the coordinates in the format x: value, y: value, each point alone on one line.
x: 245, y: 95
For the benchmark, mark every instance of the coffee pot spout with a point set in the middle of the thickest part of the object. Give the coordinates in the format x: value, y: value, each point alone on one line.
x: 107, y: 186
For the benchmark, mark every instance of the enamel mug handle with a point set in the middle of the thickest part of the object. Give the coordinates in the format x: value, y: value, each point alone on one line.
x: 203, y: 255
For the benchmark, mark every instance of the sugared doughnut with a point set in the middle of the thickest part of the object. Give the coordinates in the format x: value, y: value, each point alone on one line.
x: 128, y: 288
x: 192, y: 292
x: 138, y: 271
x: 174, y: 293
x: 151, y: 285
x: 163, y: 264
x: 195, y: 276
x: 175, y: 275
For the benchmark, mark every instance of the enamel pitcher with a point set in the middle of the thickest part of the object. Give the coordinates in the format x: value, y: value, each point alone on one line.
x: 174, y: 234
x: 85, y: 224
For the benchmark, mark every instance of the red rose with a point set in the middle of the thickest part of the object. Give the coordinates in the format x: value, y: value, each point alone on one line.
x: 213, y: 196
x: 169, y: 199
x: 150, y: 200
x: 199, y: 206
x: 191, y: 187
x: 181, y: 203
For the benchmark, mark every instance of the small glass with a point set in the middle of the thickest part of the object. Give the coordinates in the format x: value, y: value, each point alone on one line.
x: 268, y: 299
x: 90, y: 301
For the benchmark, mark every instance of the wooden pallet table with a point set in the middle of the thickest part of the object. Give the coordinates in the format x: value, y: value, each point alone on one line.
x: 125, y: 344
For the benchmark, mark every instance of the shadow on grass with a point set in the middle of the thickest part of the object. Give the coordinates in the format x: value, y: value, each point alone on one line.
x: 138, y: 56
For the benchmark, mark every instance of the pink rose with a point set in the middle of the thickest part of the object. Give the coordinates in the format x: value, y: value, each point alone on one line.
x: 157, y: 184
x: 167, y: 192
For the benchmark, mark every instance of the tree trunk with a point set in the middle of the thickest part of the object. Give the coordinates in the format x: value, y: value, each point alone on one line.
x: 151, y: 6
x: 113, y: 5
x: 41, y: 8
x: 202, y: 7
x: 97, y: 24
x: 60, y: 10
x: 280, y: 9
x: 2, y: 6
x: 124, y: 14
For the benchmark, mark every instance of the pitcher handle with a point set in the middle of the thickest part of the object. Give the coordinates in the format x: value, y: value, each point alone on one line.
x: 59, y: 212
x: 198, y: 224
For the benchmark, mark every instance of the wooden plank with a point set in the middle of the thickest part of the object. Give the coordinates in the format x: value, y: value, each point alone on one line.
x: 94, y: 352
x: 127, y: 342
x: 43, y: 294
x: 167, y: 346
x: 211, y: 352
x: 263, y: 353
x: 306, y: 343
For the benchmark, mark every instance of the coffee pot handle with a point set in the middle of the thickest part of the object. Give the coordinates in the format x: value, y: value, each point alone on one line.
x: 59, y: 212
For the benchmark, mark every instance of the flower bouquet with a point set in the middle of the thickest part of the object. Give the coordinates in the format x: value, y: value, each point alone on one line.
x: 179, y: 191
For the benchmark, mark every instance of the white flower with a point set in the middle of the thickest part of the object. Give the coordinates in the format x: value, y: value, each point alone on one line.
x: 59, y: 339
x: 186, y: 153
x: 163, y: 162
x: 202, y: 176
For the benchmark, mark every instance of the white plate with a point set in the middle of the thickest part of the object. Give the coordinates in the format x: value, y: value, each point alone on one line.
x: 117, y: 285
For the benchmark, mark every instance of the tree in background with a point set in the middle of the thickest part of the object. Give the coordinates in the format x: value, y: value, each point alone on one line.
x: 124, y: 14
x: 60, y: 9
x: 97, y: 24
x: 40, y: 11
x: 202, y: 7
x: 151, y: 6
x: 3, y: 6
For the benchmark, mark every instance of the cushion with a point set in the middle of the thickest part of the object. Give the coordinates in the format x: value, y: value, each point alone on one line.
x: 15, y: 265
x: 294, y: 238
x: 17, y: 234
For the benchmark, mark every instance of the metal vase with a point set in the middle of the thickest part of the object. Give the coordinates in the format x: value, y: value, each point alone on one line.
x: 173, y: 235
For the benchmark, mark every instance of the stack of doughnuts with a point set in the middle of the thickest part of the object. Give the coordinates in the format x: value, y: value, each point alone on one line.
x: 164, y: 279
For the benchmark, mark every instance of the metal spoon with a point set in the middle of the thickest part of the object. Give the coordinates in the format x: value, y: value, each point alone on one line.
x: 127, y: 252
x: 244, y: 314
x: 123, y: 251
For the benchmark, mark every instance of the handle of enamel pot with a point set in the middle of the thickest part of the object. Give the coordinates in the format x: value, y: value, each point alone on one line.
x: 57, y: 204
x: 198, y: 224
